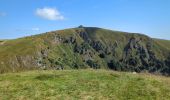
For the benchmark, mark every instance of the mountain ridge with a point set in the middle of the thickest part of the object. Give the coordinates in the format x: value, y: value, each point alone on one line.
x: 86, y: 47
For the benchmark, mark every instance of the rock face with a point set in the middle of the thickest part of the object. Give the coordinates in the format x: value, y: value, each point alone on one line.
x: 138, y: 57
x: 85, y: 47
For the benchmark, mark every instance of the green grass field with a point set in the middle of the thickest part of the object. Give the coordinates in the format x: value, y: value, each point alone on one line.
x: 83, y: 84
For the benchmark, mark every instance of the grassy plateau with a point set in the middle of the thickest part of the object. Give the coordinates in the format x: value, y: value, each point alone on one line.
x: 83, y: 84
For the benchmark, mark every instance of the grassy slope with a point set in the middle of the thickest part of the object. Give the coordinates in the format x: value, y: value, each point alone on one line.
x: 83, y: 84
x: 9, y: 49
x: 163, y: 46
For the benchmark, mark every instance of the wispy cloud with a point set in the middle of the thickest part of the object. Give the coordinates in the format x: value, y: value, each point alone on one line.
x: 29, y: 29
x: 2, y: 14
x: 35, y: 29
x: 49, y: 13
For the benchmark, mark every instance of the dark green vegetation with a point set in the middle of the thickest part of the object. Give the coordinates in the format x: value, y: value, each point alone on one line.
x: 83, y: 85
x: 86, y: 47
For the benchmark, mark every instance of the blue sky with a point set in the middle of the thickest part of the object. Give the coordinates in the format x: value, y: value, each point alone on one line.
x: 26, y: 17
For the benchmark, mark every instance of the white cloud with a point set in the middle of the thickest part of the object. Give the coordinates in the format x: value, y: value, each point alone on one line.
x: 49, y: 13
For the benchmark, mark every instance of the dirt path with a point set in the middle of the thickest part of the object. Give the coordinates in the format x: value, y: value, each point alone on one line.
x: 1, y: 43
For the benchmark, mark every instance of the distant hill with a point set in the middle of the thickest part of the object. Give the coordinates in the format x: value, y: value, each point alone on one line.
x: 86, y: 47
